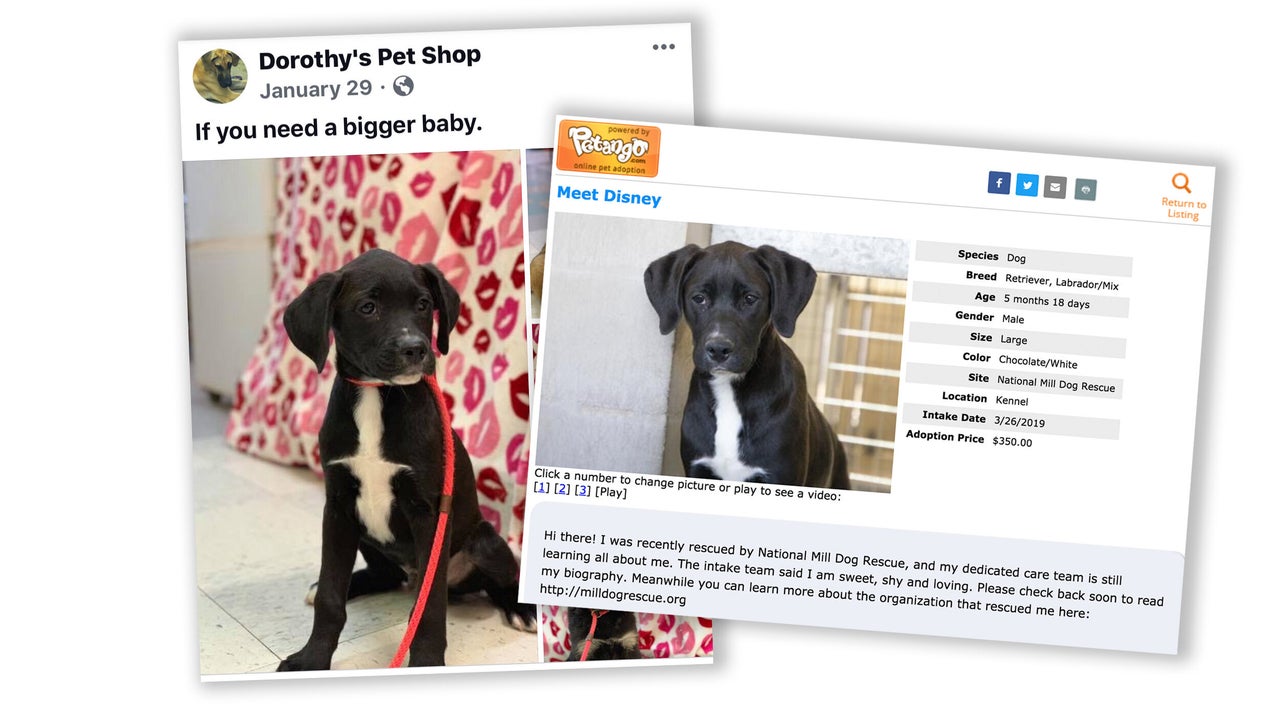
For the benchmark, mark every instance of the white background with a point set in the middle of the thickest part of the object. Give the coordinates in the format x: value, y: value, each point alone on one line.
x: 100, y: 610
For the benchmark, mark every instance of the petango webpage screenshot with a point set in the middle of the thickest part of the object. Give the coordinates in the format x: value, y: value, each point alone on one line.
x: 859, y: 384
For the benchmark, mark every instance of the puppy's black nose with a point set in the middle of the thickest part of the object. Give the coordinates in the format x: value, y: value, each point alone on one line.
x: 412, y: 349
x: 719, y: 349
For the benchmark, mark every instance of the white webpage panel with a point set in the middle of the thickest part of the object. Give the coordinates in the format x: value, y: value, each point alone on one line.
x: 866, y: 384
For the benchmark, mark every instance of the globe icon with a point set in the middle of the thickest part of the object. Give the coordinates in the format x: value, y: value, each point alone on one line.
x: 403, y: 85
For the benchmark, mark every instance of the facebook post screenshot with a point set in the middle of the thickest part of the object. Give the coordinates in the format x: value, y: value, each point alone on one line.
x: 358, y: 302
x: 869, y: 385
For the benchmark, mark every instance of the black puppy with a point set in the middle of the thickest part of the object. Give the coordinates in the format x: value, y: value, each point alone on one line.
x: 615, y: 636
x: 382, y: 448
x: 749, y: 415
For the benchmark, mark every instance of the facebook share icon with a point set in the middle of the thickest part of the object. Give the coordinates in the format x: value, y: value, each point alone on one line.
x: 998, y: 183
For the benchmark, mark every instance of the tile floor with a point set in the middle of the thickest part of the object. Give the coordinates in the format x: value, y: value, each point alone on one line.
x: 258, y: 551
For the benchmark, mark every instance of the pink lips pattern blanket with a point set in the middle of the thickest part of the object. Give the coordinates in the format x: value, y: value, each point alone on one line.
x: 657, y: 636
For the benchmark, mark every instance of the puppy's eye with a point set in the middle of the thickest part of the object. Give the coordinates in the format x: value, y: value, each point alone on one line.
x: 699, y: 299
x: 750, y: 299
x: 424, y: 305
x: 367, y: 308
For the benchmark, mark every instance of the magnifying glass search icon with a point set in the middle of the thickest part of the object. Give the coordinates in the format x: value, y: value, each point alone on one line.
x: 1181, y: 182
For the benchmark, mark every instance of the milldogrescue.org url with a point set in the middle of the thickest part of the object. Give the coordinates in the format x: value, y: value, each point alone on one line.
x: 575, y: 592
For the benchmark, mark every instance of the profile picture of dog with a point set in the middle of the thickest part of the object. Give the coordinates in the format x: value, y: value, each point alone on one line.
x: 220, y: 76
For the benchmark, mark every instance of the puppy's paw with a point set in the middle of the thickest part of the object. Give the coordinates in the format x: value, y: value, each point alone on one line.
x: 621, y: 648
x: 523, y: 617
x: 301, y: 661
x: 425, y: 659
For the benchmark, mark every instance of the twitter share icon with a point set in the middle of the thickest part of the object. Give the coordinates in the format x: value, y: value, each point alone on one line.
x: 998, y: 182
x: 1028, y: 185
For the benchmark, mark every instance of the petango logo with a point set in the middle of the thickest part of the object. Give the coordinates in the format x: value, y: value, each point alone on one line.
x: 585, y: 141
x: 608, y: 148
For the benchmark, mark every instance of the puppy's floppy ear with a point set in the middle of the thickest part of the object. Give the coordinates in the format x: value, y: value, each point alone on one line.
x: 662, y: 281
x: 446, y: 301
x: 791, y: 282
x: 309, y: 317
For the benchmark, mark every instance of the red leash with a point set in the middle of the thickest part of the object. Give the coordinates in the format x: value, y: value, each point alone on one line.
x: 586, y: 645
x: 446, y: 504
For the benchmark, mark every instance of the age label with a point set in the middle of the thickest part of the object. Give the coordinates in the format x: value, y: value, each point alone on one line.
x: 1019, y: 343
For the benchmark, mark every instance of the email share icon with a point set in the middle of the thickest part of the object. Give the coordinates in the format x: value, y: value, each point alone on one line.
x: 1055, y: 186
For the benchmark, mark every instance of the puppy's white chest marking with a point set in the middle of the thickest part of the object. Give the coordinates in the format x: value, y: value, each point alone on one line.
x: 727, y: 462
x: 369, y: 467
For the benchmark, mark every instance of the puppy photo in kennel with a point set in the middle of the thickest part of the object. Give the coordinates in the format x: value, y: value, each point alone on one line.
x: 712, y: 351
